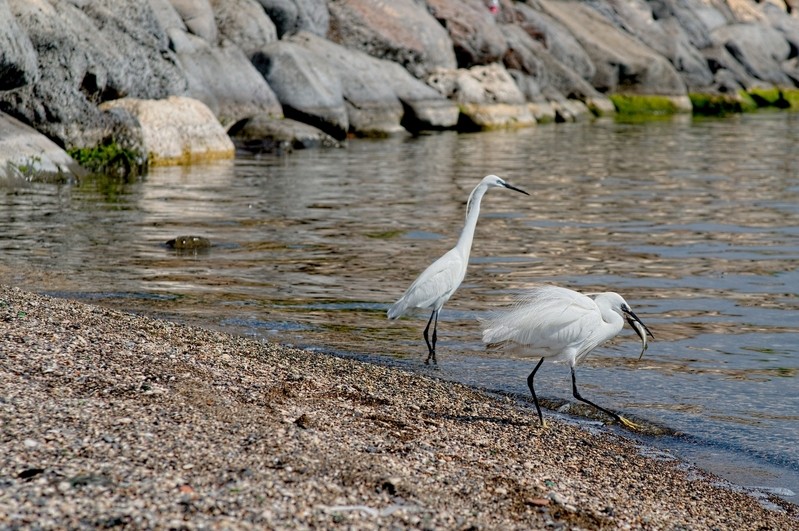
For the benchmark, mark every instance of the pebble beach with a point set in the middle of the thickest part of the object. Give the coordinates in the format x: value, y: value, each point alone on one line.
x: 114, y: 420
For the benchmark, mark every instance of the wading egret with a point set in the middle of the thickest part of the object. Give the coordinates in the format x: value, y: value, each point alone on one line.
x: 563, y: 325
x: 439, y: 281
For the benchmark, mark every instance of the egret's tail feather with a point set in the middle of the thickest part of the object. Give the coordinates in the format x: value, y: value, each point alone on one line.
x: 496, y: 334
x: 397, y: 309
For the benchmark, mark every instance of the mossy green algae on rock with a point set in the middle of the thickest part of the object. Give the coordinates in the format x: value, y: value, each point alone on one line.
x: 111, y: 159
x: 708, y: 104
x: 776, y: 97
x: 646, y: 104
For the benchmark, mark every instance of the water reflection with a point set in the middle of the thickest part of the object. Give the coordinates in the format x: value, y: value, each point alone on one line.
x: 695, y: 222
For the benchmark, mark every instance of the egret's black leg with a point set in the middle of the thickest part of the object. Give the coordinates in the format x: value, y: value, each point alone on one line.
x: 532, y: 390
x: 435, y: 337
x: 431, y: 349
x: 576, y: 394
x: 618, y: 418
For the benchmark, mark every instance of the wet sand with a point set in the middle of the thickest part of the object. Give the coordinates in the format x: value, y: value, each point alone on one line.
x: 114, y: 420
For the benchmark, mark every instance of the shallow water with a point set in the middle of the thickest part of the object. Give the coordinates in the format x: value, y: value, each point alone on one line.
x: 695, y: 222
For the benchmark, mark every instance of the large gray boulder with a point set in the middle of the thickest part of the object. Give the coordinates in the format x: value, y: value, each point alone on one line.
x: 340, y: 90
x: 223, y: 78
x: 785, y: 19
x: 18, y: 66
x: 487, y: 96
x: 218, y: 72
x: 662, y: 34
x: 623, y: 63
x: 539, y: 103
x: 784, y: 22
x: 423, y: 107
x: 402, y: 31
x: 175, y: 130
x: 292, y: 16
x: 546, y: 78
x: 245, y: 23
x: 373, y: 107
x: 697, y: 18
x: 309, y: 89
x: 555, y: 38
x: 729, y: 76
x: 475, y: 34
x: 26, y: 155
x: 760, y: 49
x: 746, y: 11
x: 166, y: 16
x: 198, y: 16
x: 86, y: 56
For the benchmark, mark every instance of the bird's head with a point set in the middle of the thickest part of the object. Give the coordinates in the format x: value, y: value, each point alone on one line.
x: 489, y: 181
x: 620, y: 306
x: 492, y: 181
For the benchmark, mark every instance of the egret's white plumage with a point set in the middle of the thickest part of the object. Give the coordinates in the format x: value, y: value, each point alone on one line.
x: 433, y: 288
x: 563, y: 325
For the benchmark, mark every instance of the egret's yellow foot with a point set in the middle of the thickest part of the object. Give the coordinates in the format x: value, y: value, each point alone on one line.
x: 630, y: 424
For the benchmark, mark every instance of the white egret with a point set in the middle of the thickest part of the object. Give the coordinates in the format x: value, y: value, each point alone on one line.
x: 433, y: 288
x: 564, y: 325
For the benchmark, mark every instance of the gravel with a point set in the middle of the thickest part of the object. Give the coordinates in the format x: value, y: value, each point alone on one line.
x: 109, y: 419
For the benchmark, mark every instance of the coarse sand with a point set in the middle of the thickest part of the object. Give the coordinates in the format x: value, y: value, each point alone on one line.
x: 110, y: 419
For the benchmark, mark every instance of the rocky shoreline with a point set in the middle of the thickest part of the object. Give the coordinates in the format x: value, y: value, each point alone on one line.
x: 115, y: 420
x: 120, y: 84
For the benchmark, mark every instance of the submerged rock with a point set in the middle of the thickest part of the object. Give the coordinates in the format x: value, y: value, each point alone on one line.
x: 189, y: 243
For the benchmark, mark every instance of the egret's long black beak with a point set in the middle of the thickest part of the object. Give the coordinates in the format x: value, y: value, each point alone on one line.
x: 632, y: 318
x: 506, y: 185
x: 640, y: 328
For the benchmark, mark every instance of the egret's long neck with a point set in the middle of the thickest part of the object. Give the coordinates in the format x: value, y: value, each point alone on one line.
x: 464, y: 244
x: 613, y: 321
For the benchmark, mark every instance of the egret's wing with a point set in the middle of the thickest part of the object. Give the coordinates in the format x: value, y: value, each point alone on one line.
x: 434, y: 286
x: 546, y: 317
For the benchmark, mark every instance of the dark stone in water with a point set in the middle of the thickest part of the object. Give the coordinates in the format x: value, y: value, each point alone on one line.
x: 189, y: 243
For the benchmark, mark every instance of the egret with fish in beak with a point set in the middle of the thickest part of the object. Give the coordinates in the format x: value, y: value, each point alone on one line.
x: 563, y: 325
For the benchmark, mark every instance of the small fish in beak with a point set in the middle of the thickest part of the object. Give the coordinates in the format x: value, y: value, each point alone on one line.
x: 640, y: 329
